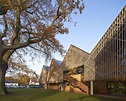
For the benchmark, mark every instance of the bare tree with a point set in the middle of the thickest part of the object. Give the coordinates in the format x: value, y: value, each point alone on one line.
x: 32, y: 24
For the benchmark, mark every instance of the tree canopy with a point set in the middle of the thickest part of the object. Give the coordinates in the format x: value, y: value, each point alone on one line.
x: 35, y: 23
x: 28, y: 25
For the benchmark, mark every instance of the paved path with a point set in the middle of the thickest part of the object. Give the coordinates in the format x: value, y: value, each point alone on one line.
x: 113, y: 96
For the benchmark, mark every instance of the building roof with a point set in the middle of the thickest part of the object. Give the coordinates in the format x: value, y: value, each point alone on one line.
x: 74, y: 57
x: 74, y: 47
x: 34, y: 80
x: 46, y: 67
x: 58, y: 62
x: 79, y: 48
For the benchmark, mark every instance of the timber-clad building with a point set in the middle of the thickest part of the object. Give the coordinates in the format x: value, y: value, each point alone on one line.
x: 43, y: 76
x: 103, y: 71
x: 107, y: 62
x: 73, y: 70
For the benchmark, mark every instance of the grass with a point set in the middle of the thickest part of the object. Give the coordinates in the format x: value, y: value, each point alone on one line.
x: 47, y: 95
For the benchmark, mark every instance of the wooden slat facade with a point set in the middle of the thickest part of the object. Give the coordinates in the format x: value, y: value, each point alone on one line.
x: 105, y: 65
x: 54, y: 75
x: 107, y: 61
x: 43, y: 76
x: 74, y: 61
x: 75, y: 57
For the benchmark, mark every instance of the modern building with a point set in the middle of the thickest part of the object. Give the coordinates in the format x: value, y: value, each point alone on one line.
x: 43, y: 76
x: 103, y: 71
x: 54, y: 76
x: 106, y: 66
x: 50, y: 76
x: 73, y: 70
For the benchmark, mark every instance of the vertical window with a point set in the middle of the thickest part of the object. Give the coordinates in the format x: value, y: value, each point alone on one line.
x: 123, y: 60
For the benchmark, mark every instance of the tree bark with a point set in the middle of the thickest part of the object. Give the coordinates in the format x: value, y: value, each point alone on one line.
x: 3, y: 68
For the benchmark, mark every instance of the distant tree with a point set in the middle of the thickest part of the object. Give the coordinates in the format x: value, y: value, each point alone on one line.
x: 21, y: 73
x: 9, y: 78
x: 28, y: 25
x: 22, y: 79
x: 15, y: 68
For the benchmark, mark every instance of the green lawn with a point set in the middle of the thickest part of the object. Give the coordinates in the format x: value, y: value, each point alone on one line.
x: 47, y: 95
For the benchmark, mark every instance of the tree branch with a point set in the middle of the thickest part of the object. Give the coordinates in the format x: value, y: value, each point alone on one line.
x: 16, y: 34
x: 57, y: 16
x: 37, y: 49
x: 6, y: 27
x: 21, y: 45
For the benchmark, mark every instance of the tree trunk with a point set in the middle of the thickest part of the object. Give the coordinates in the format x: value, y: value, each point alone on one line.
x: 3, y: 68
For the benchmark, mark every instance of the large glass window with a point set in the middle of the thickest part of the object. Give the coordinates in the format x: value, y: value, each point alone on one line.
x: 116, y: 88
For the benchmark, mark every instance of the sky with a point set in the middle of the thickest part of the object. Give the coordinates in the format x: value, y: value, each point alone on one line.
x: 96, y: 18
x: 92, y: 24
